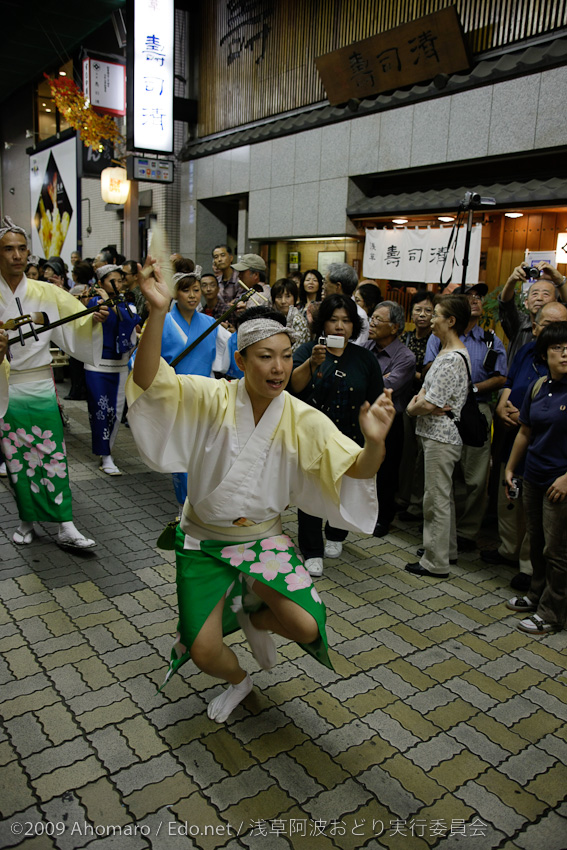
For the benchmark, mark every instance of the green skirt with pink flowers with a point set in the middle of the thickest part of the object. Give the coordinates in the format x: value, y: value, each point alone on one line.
x: 220, y: 569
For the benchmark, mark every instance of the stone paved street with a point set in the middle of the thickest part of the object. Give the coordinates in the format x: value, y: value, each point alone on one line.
x: 442, y: 725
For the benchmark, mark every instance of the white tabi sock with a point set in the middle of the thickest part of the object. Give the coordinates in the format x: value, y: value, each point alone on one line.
x: 261, y: 642
x: 221, y: 707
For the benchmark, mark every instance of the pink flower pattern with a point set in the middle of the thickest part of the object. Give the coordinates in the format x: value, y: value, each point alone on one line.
x: 35, y: 453
x: 298, y: 580
x: 272, y: 563
x: 239, y: 553
x: 281, y: 542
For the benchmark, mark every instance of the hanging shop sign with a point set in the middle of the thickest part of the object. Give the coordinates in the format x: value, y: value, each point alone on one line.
x: 420, y: 50
x: 150, y: 76
x: 418, y: 255
x: 104, y: 84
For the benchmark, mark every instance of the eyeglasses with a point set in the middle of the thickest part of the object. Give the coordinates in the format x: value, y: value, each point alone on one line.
x: 376, y: 320
x: 423, y: 311
x: 558, y: 349
x: 474, y: 297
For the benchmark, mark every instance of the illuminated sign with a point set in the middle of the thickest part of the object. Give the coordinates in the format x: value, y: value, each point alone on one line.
x: 151, y: 112
x: 104, y: 83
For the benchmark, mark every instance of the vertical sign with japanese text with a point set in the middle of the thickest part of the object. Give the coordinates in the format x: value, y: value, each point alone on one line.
x: 150, y: 113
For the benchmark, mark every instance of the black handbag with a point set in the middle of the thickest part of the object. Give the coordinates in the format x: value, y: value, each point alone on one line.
x: 472, y: 426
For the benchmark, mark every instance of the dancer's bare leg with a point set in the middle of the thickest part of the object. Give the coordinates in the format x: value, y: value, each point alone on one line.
x: 283, y: 616
x: 212, y: 656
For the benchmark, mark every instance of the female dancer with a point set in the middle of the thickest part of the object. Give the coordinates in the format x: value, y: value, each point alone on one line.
x: 250, y: 449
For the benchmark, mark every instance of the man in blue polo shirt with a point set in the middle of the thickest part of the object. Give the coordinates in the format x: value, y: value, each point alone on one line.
x: 488, y: 370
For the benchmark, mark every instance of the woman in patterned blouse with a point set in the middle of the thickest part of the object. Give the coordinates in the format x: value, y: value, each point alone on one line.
x: 444, y: 389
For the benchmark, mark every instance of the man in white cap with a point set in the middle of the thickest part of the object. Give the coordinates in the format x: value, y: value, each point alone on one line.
x: 32, y: 431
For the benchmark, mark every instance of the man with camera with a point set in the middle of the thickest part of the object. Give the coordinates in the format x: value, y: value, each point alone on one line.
x: 548, y: 285
x: 488, y: 369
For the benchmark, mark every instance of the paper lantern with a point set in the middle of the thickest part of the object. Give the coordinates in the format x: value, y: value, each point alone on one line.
x: 114, y: 185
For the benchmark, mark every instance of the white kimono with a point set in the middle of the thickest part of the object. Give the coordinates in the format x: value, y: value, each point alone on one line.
x: 241, y: 474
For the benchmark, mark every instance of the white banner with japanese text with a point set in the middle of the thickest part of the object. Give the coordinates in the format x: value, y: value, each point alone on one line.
x: 416, y: 255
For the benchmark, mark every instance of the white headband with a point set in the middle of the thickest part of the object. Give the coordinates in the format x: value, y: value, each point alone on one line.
x: 8, y: 226
x: 196, y: 273
x: 255, y: 330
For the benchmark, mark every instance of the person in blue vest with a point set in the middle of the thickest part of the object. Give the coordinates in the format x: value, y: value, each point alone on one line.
x: 183, y: 325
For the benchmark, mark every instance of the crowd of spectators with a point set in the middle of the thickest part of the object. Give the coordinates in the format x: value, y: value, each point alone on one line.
x: 350, y: 343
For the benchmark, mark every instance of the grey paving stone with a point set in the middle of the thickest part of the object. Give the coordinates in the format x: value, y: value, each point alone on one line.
x: 365, y: 612
x: 390, y: 792
x: 127, y: 653
x: 464, y: 652
x: 350, y: 735
x: 68, y: 681
x: 424, y: 622
x: 28, y: 685
x: 527, y: 764
x: 100, y: 638
x: 322, y: 675
x: 305, y: 717
x: 428, y: 657
x: 359, y: 684
x: 548, y: 833
x: 112, y: 748
x: 144, y: 693
x: 535, y: 660
x: 282, y: 672
x: 555, y: 747
x: 513, y: 710
x: 98, y: 698
x: 470, y: 693
x: 424, y: 701
x: 393, y: 641
x: 332, y: 805
x: 9, y: 838
x: 501, y: 667
x: 34, y: 630
x: 490, y: 808
x: 477, y: 838
x: 183, y: 709
x: 478, y: 743
x: 392, y: 682
x: 431, y: 753
x: 547, y: 701
x: 9, y: 589
x: 200, y: 764
x: 167, y: 833
x: 56, y: 644
x: 57, y: 756
x: 248, y: 783
x: 254, y: 727
x: 145, y: 773
x: 292, y: 777
x: 462, y: 620
x: 364, y: 643
x: 24, y: 601
x: 26, y: 734
x: 7, y: 630
x: 161, y: 615
x: 68, y: 811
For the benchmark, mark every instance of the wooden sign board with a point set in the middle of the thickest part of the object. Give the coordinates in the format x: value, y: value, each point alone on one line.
x: 408, y: 54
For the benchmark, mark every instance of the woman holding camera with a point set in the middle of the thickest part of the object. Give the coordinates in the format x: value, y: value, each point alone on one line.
x: 543, y: 440
x: 336, y: 377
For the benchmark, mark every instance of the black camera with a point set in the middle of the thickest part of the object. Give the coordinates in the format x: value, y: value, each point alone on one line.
x: 532, y: 273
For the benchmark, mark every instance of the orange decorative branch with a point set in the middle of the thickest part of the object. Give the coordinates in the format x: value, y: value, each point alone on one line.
x: 92, y: 128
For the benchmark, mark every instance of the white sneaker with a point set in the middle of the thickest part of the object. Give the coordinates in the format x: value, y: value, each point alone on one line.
x: 314, y: 566
x: 333, y: 549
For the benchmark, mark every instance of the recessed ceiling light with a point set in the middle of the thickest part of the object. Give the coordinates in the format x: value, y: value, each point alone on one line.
x: 513, y: 215
x: 446, y: 217
x: 62, y: 73
x: 48, y: 110
x: 399, y: 221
